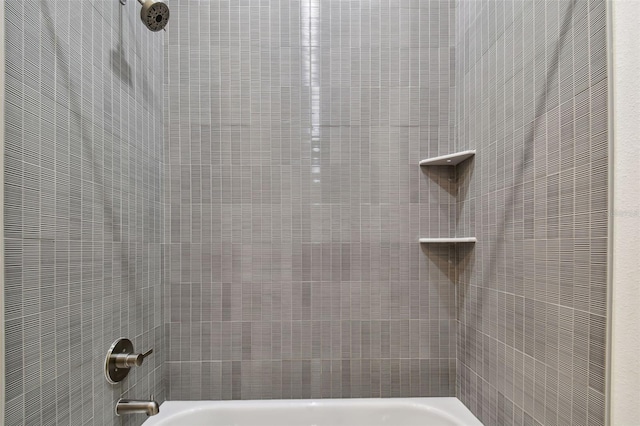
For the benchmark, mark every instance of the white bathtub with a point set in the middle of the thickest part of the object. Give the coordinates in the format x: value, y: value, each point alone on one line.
x: 325, y: 412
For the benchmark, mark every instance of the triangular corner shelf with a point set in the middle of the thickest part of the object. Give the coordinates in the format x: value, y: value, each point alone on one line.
x: 447, y: 240
x: 449, y: 159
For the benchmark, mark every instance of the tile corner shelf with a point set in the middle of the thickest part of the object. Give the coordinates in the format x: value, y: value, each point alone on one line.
x: 447, y: 240
x: 449, y: 159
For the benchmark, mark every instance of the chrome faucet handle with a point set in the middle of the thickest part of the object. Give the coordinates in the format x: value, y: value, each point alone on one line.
x: 131, y: 360
x: 120, y: 359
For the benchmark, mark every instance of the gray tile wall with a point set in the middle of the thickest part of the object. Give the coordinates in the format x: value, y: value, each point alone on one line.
x: 83, y: 208
x: 532, y: 99
x: 296, y: 202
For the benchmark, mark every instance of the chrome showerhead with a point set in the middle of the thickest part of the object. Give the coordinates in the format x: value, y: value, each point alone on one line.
x: 154, y: 14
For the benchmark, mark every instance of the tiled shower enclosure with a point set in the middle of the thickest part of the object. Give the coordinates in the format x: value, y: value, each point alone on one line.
x: 242, y: 194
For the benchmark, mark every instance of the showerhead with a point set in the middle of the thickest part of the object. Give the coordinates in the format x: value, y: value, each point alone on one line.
x: 154, y: 14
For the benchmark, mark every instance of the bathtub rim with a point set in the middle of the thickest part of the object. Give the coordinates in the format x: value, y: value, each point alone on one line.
x: 450, y: 407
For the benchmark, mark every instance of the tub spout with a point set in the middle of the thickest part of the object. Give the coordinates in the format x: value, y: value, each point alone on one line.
x: 132, y: 406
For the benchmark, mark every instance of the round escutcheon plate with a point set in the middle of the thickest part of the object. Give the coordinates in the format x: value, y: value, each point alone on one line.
x: 111, y: 372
